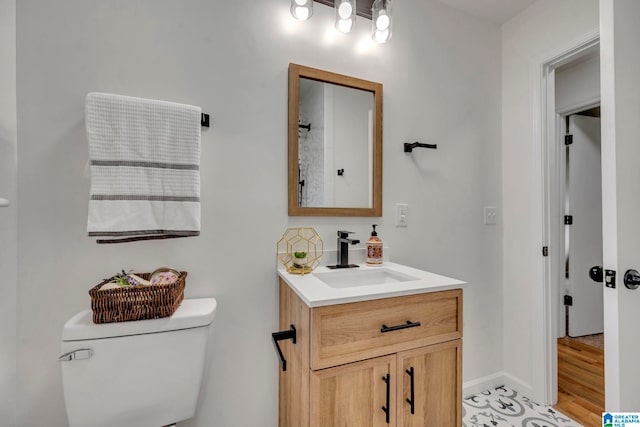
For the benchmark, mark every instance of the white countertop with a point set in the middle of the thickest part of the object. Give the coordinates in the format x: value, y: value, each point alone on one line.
x: 316, y: 293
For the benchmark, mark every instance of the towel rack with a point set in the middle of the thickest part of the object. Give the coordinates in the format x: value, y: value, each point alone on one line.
x: 204, y: 120
x: 408, y: 148
x: 4, y: 203
x: 283, y: 335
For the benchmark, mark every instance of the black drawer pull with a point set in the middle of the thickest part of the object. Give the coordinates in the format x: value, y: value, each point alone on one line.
x: 409, y: 324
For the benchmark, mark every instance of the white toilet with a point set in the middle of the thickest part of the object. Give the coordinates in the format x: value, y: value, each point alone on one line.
x: 145, y: 373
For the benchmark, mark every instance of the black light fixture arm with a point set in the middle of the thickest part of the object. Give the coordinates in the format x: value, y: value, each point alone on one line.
x: 283, y: 335
x: 408, y: 147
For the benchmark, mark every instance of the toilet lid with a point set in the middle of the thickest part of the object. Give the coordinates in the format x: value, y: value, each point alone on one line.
x: 192, y: 313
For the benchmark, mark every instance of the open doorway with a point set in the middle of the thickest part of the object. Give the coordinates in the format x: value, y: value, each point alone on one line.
x: 583, y: 299
x: 578, y: 185
x: 581, y: 346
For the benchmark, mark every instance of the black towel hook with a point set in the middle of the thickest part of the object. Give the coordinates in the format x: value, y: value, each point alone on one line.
x: 408, y: 148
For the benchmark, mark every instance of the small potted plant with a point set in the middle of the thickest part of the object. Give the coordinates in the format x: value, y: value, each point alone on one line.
x: 300, y: 259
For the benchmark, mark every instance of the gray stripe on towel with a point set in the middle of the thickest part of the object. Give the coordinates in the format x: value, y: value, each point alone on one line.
x: 145, y: 198
x: 139, y: 164
x: 182, y: 233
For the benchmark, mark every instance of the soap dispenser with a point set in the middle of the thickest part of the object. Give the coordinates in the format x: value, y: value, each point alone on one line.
x: 374, y: 248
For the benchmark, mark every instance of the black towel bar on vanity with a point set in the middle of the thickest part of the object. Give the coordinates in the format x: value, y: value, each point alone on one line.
x: 283, y: 335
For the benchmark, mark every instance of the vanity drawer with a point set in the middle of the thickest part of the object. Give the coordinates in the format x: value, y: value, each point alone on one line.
x: 346, y: 333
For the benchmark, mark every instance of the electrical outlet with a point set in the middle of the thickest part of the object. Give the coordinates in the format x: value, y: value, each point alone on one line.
x: 402, y: 215
x: 490, y: 215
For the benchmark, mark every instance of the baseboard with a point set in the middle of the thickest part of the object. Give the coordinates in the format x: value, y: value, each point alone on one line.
x: 520, y: 386
x: 494, y: 380
x: 479, y: 385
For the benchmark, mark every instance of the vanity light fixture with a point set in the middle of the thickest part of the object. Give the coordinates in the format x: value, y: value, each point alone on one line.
x: 382, y: 20
x: 302, y: 9
x: 345, y: 15
x: 379, y: 11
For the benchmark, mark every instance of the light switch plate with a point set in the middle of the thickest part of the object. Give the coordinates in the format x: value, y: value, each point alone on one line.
x: 490, y: 215
x: 402, y: 215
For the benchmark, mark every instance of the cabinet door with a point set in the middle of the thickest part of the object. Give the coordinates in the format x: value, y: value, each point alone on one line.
x: 360, y: 394
x: 430, y: 392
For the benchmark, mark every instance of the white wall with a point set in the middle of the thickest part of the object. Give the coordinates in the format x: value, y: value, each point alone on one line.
x: 621, y: 185
x: 578, y: 84
x: 542, y: 29
x: 8, y: 216
x: 442, y: 82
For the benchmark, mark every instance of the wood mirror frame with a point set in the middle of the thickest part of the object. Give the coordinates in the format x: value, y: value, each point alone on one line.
x: 299, y: 71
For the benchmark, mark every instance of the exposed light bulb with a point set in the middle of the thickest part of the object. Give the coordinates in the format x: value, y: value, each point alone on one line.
x: 345, y: 15
x: 344, y: 25
x: 383, y: 21
x: 381, y: 36
x: 302, y: 9
x: 302, y: 13
x: 345, y: 10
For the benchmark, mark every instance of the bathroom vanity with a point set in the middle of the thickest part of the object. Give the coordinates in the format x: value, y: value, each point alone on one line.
x: 374, y: 346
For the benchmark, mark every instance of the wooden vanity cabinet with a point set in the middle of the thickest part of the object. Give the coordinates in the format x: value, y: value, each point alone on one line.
x: 363, y: 364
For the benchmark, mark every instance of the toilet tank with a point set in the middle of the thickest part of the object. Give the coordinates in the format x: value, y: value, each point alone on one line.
x: 141, y: 373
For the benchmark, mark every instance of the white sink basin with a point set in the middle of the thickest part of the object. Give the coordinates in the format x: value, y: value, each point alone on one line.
x: 354, y: 277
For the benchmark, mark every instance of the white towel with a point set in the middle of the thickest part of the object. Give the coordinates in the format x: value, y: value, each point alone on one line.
x: 145, y: 168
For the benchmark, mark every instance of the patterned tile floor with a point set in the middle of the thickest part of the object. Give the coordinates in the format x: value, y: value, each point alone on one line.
x: 503, y: 407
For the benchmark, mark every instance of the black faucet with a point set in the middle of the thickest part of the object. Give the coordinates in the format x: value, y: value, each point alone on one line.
x: 343, y: 250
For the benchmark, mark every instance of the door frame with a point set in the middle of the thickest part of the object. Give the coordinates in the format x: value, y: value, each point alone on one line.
x: 549, y: 195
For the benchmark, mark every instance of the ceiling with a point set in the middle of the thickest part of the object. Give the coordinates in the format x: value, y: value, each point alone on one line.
x: 498, y: 11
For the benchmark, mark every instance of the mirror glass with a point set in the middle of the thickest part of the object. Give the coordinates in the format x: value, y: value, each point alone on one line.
x: 335, y: 144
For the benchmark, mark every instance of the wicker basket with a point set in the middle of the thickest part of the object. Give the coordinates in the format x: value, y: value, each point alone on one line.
x: 136, y: 303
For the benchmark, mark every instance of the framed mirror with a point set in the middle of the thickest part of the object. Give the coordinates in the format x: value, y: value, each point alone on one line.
x: 335, y: 144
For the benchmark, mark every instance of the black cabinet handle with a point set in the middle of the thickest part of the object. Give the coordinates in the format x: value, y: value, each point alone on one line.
x: 412, y: 400
x: 283, y: 335
x: 409, y: 324
x: 385, y: 409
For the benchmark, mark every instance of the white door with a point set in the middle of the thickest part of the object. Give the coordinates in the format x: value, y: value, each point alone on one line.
x: 620, y: 79
x: 585, y: 233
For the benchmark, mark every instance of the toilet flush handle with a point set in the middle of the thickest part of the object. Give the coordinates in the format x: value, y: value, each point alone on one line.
x: 81, y: 354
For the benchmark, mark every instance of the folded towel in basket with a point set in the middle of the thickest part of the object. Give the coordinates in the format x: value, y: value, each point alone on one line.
x: 145, y: 168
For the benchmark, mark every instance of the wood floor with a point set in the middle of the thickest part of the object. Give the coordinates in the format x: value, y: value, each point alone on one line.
x: 580, y: 382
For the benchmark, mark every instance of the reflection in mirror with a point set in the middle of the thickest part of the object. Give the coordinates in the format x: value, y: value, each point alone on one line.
x: 335, y: 144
